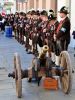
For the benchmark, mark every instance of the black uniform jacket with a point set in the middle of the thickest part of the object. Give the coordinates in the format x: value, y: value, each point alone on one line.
x: 64, y: 31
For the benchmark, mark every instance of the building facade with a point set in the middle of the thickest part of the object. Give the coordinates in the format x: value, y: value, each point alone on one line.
x: 26, y: 5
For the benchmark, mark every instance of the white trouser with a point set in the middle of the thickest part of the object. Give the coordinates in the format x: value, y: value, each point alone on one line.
x: 24, y: 39
x: 39, y: 48
x: 30, y: 42
x: 53, y: 56
x: 57, y: 60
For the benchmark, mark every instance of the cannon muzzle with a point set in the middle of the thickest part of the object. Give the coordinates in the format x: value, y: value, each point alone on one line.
x: 44, y: 51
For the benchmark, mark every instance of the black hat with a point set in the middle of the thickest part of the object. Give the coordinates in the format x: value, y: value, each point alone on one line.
x: 38, y: 12
x: 51, y: 11
x: 29, y: 12
x: 52, y: 17
x: 24, y: 14
x: 21, y: 13
x: 44, y: 13
x: 33, y: 12
x: 64, y: 10
x: 17, y: 13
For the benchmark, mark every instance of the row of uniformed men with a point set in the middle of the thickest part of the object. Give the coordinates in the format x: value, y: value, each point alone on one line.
x: 37, y: 29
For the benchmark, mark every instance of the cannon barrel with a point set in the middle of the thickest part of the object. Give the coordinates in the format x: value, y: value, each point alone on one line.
x: 24, y: 73
x: 44, y: 51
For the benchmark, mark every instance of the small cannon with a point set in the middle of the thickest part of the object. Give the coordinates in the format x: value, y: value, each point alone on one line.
x: 43, y: 66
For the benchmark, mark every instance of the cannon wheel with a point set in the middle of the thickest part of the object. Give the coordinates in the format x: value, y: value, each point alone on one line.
x: 18, y: 80
x: 66, y: 78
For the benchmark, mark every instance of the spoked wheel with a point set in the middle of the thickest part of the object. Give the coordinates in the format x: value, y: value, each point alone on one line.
x: 66, y: 78
x: 18, y: 80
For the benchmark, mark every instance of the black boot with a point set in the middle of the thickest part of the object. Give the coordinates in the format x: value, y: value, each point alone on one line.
x: 39, y: 79
x: 29, y: 80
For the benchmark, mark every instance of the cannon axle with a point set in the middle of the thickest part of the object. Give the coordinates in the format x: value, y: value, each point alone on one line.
x: 24, y: 74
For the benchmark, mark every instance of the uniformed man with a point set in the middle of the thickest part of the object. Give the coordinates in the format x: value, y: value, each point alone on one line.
x: 15, y: 26
x: 63, y: 31
x: 27, y: 30
x: 52, y: 26
x: 21, y: 28
x: 43, y: 28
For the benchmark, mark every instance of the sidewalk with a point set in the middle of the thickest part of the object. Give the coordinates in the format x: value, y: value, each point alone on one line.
x: 30, y: 91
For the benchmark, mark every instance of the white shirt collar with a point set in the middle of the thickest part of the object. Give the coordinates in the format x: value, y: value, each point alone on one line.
x: 63, y: 18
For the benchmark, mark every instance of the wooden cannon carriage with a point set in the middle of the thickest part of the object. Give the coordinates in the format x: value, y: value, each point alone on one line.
x: 64, y: 71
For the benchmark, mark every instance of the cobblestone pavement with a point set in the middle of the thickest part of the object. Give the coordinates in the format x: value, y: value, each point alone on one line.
x: 8, y: 46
